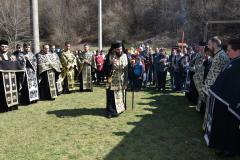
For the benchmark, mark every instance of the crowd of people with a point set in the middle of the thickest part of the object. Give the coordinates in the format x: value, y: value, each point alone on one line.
x: 148, y: 67
x: 208, y: 74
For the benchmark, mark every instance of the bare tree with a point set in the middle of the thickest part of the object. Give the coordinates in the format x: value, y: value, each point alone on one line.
x: 14, y: 21
x: 76, y: 20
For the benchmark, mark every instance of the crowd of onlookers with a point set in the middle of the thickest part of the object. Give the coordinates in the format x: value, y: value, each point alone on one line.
x: 151, y: 67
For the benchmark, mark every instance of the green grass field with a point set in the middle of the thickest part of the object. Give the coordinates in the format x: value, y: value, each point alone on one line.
x: 73, y: 127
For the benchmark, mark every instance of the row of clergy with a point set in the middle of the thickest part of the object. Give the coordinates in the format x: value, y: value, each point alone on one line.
x: 26, y: 77
x: 218, y: 94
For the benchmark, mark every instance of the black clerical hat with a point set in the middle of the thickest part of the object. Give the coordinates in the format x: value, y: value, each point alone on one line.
x: 3, y: 42
x: 175, y: 47
x: 202, y: 43
x: 116, y: 44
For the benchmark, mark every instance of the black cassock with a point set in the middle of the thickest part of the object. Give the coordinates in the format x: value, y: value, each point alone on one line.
x: 29, y: 90
x: 116, y: 84
x: 9, y: 84
x: 223, y: 119
x: 48, y: 72
x: 192, y: 93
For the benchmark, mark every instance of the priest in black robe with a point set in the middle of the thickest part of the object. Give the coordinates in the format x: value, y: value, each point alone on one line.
x: 48, y: 72
x: 29, y: 90
x: 116, y: 69
x: 223, y: 120
x: 9, y: 66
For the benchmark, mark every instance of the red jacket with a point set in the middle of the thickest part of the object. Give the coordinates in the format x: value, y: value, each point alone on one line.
x: 99, y: 62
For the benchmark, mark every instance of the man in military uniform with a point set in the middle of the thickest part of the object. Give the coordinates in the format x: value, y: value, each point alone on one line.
x: 198, y: 69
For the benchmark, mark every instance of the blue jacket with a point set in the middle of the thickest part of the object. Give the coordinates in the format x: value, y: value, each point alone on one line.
x: 138, y: 69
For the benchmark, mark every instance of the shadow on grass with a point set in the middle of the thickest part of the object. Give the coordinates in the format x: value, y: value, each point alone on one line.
x: 78, y: 112
x: 169, y: 130
x: 153, y: 90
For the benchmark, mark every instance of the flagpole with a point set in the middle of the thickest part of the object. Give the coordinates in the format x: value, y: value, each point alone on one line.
x: 100, y: 24
x: 35, y: 25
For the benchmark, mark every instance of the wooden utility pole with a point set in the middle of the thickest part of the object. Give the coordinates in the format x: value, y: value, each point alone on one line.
x: 35, y: 25
x: 100, y: 24
x: 183, y: 37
